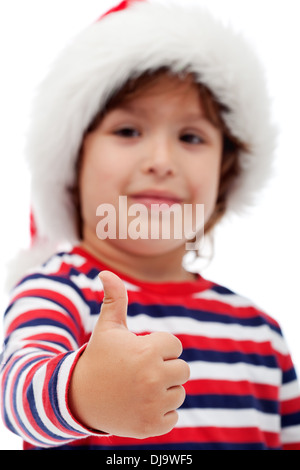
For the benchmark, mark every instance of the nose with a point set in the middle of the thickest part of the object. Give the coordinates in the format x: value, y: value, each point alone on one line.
x: 160, y: 157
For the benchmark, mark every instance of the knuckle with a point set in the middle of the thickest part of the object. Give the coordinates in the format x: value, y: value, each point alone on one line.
x: 171, y: 421
x: 186, y: 371
x: 149, y: 424
x: 165, y: 338
x: 144, y: 349
x: 181, y: 396
x: 153, y: 382
x: 160, y: 336
x: 177, y: 343
x: 183, y: 371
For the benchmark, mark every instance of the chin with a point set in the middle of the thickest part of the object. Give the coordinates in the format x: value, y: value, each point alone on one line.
x: 149, y: 248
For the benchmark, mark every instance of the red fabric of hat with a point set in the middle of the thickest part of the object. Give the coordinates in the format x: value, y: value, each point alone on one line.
x: 121, y: 6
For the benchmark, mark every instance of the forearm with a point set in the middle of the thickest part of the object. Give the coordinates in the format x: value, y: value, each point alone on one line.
x: 44, y: 335
x: 34, y: 389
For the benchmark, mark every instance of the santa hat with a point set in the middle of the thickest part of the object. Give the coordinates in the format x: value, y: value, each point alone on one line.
x: 134, y: 37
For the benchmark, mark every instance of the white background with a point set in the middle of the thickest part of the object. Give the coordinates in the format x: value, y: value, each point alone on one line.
x: 257, y: 255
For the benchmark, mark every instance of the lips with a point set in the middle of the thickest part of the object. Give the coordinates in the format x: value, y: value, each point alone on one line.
x: 156, y: 197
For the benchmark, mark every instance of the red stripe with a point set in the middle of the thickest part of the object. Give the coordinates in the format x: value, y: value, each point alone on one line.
x: 198, y: 435
x: 43, y: 348
x: 225, y: 345
x: 56, y: 297
x: 227, y: 387
x: 27, y: 409
x: 151, y: 289
x: 295, y: 446
x: 285, y: 361
x: 31, y: 315
x: 46, y: 396
x: 290, y: 406
x: 187, y: 299
x: 17, y: 372
x: 52, y: 338
x: 92, y: 296
x: 228, y: 345
x: 51, y: 366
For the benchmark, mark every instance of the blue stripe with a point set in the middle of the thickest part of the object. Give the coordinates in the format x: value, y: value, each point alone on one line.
x: 60, y: 280
x: 237, y: 402
x: 4, y: 412
x: 7, y: 422
x: 53, y: 394
x: 92, y: 273
x: 38, y: 421
x: 292, y: 419
x: 159, y: 311
x: 222, y: 290
x: 20, y: 422
x: 235, y: 357
x: 46, y: 321
x: 289, y: 376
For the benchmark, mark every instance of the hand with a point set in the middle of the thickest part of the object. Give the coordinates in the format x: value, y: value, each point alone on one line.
x: 123, y: 384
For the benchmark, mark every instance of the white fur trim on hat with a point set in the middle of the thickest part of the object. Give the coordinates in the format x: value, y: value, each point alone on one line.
x: 146, y: 35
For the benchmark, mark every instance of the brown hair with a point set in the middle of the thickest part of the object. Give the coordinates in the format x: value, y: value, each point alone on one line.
x: 230, y: 167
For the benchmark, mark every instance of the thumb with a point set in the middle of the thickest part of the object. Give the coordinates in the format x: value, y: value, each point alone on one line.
x: 114, y: 307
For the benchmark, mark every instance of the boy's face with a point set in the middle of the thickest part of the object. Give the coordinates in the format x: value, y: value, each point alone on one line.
x: 155, y: 148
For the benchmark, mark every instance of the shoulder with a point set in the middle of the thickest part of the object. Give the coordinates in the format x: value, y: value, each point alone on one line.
x: 240, y: 318
x: 64, y: 266
x: 65, y: 273
x: 239, y: 307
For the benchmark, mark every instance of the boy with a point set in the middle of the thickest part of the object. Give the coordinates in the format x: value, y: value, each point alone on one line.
x: 187, y: 364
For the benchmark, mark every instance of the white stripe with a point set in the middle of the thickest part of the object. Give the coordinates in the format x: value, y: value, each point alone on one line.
x: 62, y: 384
x: 231, y: 418
x: 9, y: 391
x: 230, y: 299
x: 22, y: 350
x: 43, y: 346
x: 235, y: 372
x: 57, y: 287
x: 83, y: 282
x: 90, y: 324
x: 131, y: 287
x: 189, y: 326
x: 289, y: 391
x: 23, y: 305
x: 38, y: 384
x: 24, y: 333
x: 54, y: 264
x: 19, y: 337
x: 52, y: 285
x: 19, y: 403
x: 23, y: 416
x: 291, y: 435
x: 95, y: 285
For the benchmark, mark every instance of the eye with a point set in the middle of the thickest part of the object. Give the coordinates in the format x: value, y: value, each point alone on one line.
x: 191, y: 138
x: 127, y: 132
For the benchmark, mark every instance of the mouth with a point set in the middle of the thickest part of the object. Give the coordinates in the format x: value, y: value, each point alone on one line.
x: 148, y: 198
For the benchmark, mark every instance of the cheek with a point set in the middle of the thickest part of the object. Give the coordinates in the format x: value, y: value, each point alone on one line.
x: 205, y: 186
x: 103, y: 177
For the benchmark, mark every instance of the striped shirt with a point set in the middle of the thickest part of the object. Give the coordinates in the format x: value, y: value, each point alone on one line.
x: 242, y: 393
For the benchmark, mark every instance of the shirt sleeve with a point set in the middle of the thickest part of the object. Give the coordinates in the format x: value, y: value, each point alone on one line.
x: 44, y: 337
x: 288, y: 393
x: 290, y: 406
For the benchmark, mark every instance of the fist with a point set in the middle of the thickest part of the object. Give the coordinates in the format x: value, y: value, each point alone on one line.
x: 124, y: 384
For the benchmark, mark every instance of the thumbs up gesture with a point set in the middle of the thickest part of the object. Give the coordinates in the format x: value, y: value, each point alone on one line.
x: 123, y: 384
